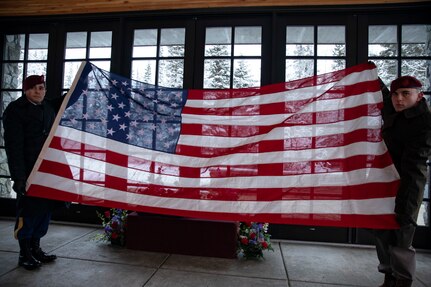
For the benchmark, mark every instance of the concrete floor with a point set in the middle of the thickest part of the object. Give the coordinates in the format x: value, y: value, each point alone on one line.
x: 85, y: 262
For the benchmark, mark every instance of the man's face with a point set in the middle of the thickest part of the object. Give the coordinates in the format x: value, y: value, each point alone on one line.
x: 36, y: 94
x: 405, y: 98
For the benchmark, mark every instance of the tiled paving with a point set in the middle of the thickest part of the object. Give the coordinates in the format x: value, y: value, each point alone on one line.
x: 82, y: 261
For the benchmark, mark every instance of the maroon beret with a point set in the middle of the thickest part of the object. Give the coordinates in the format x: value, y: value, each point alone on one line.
x: 32, y: 81
x: 405, y: 82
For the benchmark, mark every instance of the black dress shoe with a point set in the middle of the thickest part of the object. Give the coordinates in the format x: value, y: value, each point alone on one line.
x: 38, y: 253
x: 41, y: 256
x: 28, y: 263
x: 389, y: 281
x: 403, y: 283
x: 26, y: 259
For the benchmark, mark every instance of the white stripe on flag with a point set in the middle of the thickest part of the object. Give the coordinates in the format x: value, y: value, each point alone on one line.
x: 358, y: 148
x: 285, y: 96
x: 266, y: 120
x: 338, y: 178
x: 365, y: 206
x: 283, y: 133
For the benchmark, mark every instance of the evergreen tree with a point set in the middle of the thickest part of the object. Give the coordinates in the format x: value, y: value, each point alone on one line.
x: 301, y: 68
x: 148, y: 75
x: 387, y: 69
x: 171, y: 71
x: 339, y: 51
x: 241, y: 76
x: 217, y: 74
x: 417, y: 68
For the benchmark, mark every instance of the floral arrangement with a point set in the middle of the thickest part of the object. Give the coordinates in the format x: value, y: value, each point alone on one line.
x: 253, y: 238
x: 114, y: 222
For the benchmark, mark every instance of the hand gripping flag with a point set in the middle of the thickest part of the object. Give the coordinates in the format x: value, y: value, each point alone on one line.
x: 306, y: 152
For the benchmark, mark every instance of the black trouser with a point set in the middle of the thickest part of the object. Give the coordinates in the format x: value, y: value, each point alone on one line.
x: 28, y: 227
x: 395, y: 251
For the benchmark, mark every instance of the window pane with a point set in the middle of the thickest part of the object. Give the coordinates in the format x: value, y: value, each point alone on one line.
x: 172, y: 42
x: 6, y: 188
x: 171, y: 73
x: 12, y: 75
x: 331, y: 41
x: 331, y: 35
x: 217, y: 74
x: 427, y: 187
x: 382, y: 41
x: 423, y: 217
x: 331, y: 50
x: 104, y: 65
x: 36, y: 69
x: 248, y: 35
x: 144, y: 51
x: 145, y: 43
x: 299, y: 41
x: 217, y: 50
x: 38, y: 47
x: 100, y: 45
x: 70, y: 70
x: 97, y: 53
x: 76, y: 44
x: 14, y: 47
x: 76, y: 53
x: 101, y: 39
x: 247, y: 50
x: 387, y: 70
x: 220, y: 35
x: 298, y: 69
x: 8, y: 97
x: 248, y: 41
x: 299, y: 50
x: 300, y: 35
x: 144, y: 71
x: 172, y: 51
x: 326, y: 66
x: 4, y: 170
x: 416, y: 40
x: 246, y: 73
x: 218, y: 41
x: 424, y: 211
x: 418, y: 69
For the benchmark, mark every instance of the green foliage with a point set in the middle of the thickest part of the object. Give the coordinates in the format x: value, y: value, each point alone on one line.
x: 114, y: 222
x: 253, y: 238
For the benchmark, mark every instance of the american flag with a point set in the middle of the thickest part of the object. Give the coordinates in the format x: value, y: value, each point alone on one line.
x: 305, y: 152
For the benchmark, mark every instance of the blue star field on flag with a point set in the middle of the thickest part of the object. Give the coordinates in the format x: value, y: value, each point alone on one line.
x: 125, y: 110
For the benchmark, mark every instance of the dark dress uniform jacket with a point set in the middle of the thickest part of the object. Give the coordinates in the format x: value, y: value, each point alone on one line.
x: 26, y: 127
x: 407, y: 135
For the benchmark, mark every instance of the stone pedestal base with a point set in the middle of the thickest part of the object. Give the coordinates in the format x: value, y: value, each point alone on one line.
x: 179, y: 235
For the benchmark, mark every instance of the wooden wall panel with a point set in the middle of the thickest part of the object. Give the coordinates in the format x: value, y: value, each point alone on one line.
x: 60, y: 7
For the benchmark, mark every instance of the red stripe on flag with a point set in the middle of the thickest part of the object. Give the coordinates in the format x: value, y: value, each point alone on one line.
x: 286, y: 107
x: 303, y: 119
x: 373, y: 190
x: 280, y: 87
x: 383, y: 221
x: 342, y: 164
x: 301, y: 143
x: 337, y: 140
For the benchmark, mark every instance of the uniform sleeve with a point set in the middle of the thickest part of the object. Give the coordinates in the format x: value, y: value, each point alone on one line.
x: 414, y: 172
x: 14, y: 143
x: 57, y: 102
